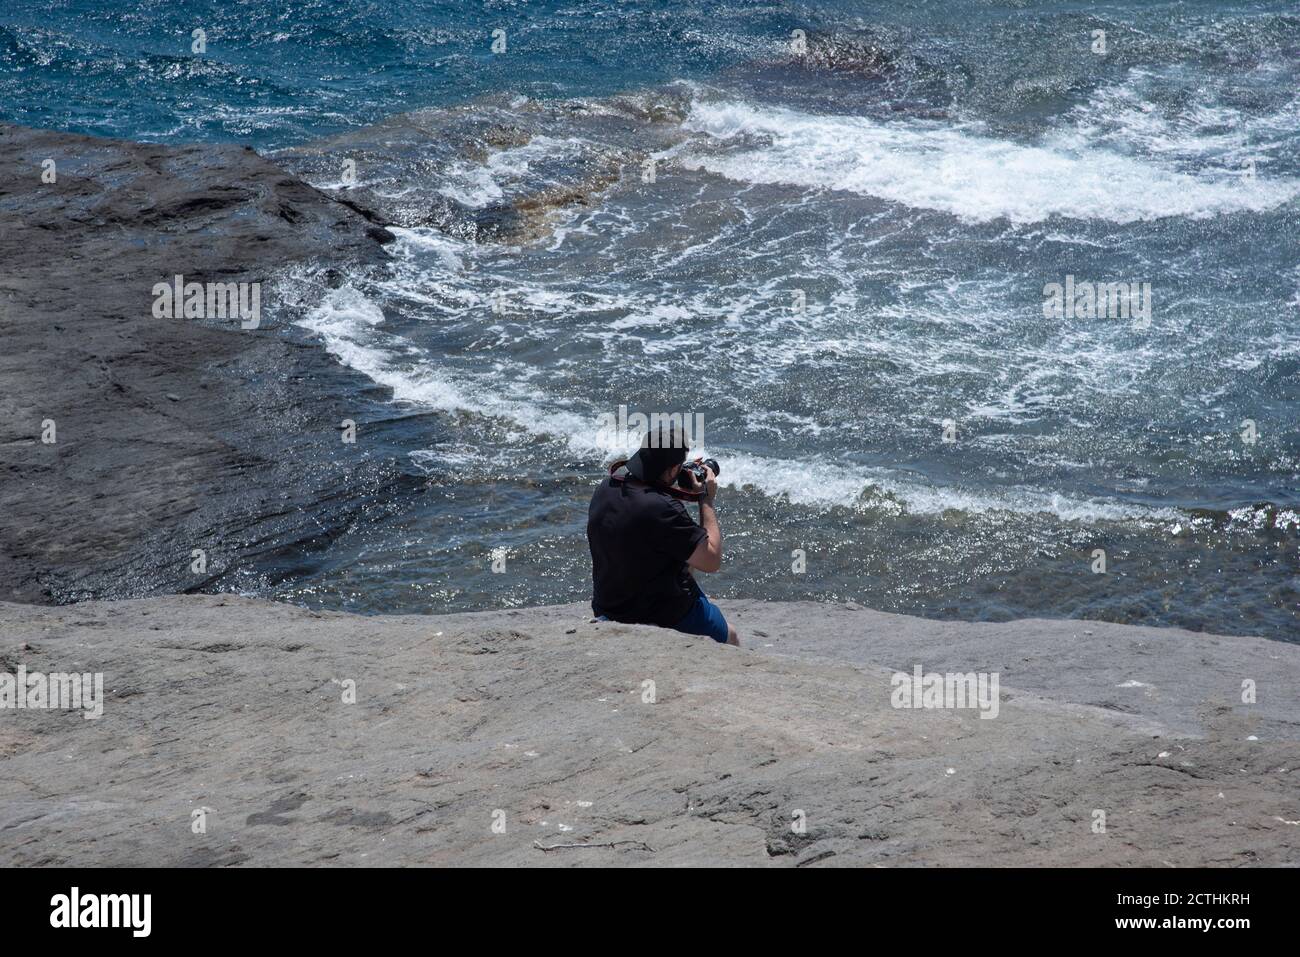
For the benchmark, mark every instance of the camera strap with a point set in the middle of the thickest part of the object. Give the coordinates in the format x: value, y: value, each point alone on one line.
x: 618, y: 473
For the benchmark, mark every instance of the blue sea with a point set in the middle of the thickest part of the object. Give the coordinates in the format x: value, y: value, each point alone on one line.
x: 830, y: 230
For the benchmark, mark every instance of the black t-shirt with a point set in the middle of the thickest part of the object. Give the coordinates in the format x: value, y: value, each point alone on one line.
x: 640, y: 538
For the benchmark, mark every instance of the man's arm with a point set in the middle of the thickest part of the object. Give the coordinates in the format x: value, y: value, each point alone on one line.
x: 707, y: 556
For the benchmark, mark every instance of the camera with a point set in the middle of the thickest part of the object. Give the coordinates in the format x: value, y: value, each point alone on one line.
x: 697, y: 470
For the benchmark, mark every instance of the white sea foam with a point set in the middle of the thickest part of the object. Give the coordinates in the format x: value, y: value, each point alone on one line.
x: 349, y: 324
x: 480, y: 184
x: 1154, y: 111
x: 958, y: 170
x: 826, y: 485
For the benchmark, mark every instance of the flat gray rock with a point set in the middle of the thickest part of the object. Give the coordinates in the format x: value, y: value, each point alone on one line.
x: 542, y: 722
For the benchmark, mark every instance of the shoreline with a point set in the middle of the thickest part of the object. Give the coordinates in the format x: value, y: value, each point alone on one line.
x: 234, y: 707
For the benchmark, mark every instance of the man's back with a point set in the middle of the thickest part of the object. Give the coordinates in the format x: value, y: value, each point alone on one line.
x: 640, y: 539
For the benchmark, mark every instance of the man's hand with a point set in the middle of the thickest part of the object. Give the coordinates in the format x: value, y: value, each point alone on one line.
x: 710, y: 484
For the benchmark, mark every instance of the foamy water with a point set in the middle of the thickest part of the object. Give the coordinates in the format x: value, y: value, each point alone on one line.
x: 972, y: 175
x: 840, y: 263
x: 919, y: 248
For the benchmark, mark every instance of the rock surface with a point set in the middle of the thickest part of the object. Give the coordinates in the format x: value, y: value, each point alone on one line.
x: 539, y: 718
x: 172, y: 434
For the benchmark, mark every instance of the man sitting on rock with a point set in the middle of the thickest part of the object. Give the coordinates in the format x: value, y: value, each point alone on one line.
x: 642, y: 539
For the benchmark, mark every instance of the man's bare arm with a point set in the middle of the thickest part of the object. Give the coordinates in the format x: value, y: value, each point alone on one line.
x: 707, y: 556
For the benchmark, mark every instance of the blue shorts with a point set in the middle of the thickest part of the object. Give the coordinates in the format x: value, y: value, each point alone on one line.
x: 704, y: 618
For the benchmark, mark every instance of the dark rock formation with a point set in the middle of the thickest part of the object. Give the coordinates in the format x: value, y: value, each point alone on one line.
x: 172, y: 434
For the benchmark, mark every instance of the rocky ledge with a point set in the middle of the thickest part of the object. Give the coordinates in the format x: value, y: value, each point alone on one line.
x: 242, y: 732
